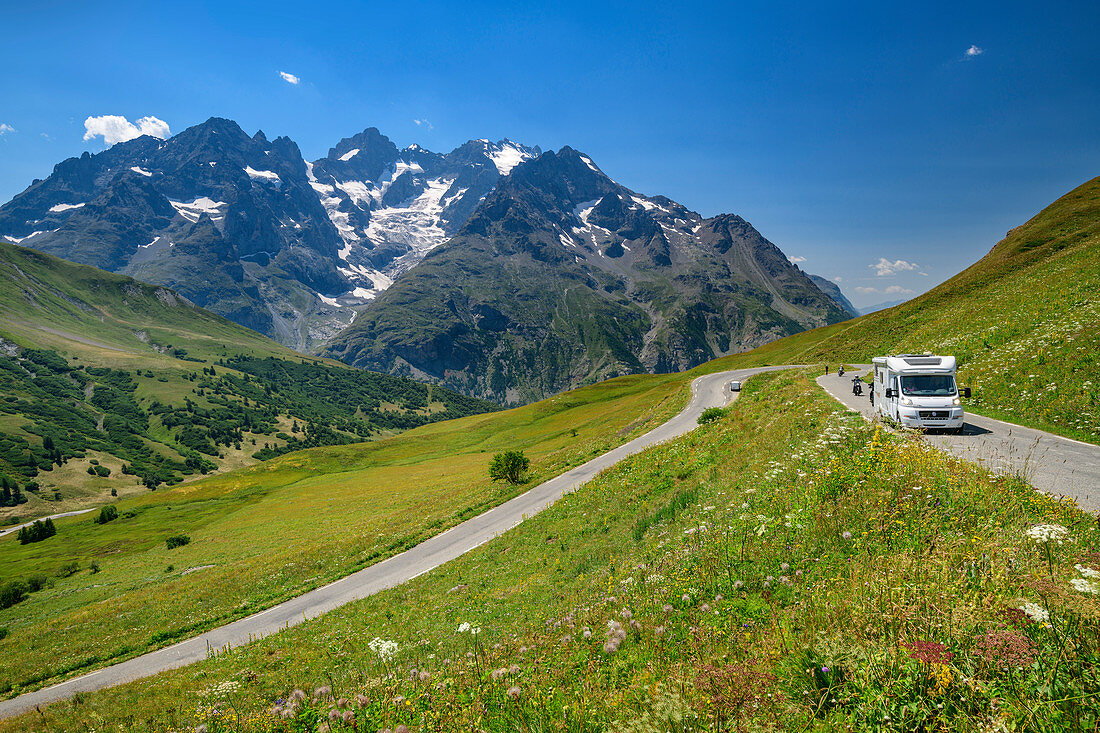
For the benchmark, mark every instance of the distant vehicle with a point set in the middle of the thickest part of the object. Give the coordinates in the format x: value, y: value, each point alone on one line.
x: 857, y: 386
x: 919, y: 391
x: 735, y: 386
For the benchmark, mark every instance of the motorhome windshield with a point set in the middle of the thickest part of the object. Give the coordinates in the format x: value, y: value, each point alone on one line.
x: 928, y: 385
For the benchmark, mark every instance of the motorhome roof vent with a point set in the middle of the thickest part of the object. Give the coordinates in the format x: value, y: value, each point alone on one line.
x: 922, y: 360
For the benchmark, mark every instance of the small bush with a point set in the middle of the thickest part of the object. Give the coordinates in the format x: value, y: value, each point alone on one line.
x: 12, y: 592
x: 510, y: 466
x: 106, y: 514
x: 68, y: 569
x: 3, y: 632
x: 711, y: 414
x: 178, y: 540
x: 93, y: 567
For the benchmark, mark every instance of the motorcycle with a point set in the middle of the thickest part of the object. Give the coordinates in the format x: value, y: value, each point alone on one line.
x: 857, y: 386
x: 840, y: 372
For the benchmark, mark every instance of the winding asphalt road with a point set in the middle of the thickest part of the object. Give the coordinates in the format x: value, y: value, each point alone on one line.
x: 711, y: 390
x: 1058, y: 466
x: 16, y: 528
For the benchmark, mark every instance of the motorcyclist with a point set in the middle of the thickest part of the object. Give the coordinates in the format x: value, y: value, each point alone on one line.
x: 857, y: 386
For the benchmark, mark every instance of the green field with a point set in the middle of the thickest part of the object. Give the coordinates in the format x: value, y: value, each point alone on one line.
x: 754, y: 609
x: 109, y: 387
x: 270, y: 532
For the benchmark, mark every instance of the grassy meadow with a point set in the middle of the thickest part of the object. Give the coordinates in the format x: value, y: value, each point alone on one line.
x: 272, y: 531
x: 788, y: 567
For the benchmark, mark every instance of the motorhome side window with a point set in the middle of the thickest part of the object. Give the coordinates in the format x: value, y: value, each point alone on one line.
x: 928, y: 385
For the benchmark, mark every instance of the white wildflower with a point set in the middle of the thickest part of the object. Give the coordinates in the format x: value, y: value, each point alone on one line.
x: 1046, y: 533
x: 1035, y: 612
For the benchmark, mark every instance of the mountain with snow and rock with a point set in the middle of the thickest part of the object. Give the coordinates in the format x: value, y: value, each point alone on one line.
x: 495, y: 269
x: 391, y: 207
x: 245, y: 227
x: 563, y: 277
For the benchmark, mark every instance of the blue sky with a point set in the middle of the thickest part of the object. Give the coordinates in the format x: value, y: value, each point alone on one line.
x: 860, y: 137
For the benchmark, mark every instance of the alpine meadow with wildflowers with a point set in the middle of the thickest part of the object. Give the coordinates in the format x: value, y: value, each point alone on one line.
x: 827, y: 575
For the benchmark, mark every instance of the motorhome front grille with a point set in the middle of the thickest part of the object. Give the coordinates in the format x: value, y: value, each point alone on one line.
x: 934, y: 414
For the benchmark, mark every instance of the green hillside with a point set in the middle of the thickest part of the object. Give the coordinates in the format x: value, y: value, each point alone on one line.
x: 109, y: 386
x: 1024, y: 322
x: 786, y: 568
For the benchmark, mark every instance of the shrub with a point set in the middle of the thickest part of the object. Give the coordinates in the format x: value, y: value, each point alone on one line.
x: 178, y: 540
x: 510, y: 466
x: 93, y: 567
x: 68, y: 569
x: 12, y: 592
x: 106, y: 514
x: 711, y: 414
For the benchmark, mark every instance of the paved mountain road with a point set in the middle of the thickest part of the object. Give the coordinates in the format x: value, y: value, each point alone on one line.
x: 711, y: 390
x: 1052, y: 464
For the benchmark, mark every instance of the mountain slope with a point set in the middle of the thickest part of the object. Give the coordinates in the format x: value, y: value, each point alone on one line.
x: 563, y: 277
x: 833, y: 290
x: 108, y: 384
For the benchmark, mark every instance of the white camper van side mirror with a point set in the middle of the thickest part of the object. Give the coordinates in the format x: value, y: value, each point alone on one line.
x: 966, y: 392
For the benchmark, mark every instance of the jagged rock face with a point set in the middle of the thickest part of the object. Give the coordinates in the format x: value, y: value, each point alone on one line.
x: 218, y: 215
x: 563, y: 277
x: 391, y: 207
x: 243, y: 226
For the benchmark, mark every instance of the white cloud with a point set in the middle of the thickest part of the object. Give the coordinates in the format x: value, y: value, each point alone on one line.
x: 796, y: 260
x: 5, y: 128
x: 116, y: 128
x: 838, y: 279
x: 424, y: 123
x: 289, y: 78
x: 891, y: 290
x: 885, y: 268
x: 974, y: 51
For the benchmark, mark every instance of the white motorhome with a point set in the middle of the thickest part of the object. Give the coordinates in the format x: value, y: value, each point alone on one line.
x: 919, y: 391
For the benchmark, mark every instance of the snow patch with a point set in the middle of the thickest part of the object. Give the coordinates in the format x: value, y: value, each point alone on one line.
x: 17, y: 240
x: 588, y: 162
x: 58, y: 208
x: 142, y: 171
x: 507, y: 158
x: 203, y: 205
x: 647, y: 205
x: 147, y: 246
x: 329, y: 301
x: 349, y: 155
x: 256, y: 175
x: 567, y: 241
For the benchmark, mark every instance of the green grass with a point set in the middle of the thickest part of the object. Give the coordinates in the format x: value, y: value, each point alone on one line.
x: 1024, y: 322
x: 110, y: 369
x: 277, y: 529
x: 728, y: 637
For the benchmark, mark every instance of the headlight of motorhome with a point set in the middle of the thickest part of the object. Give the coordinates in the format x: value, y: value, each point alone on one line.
x: 956, y: 402
x: 906, y: 401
